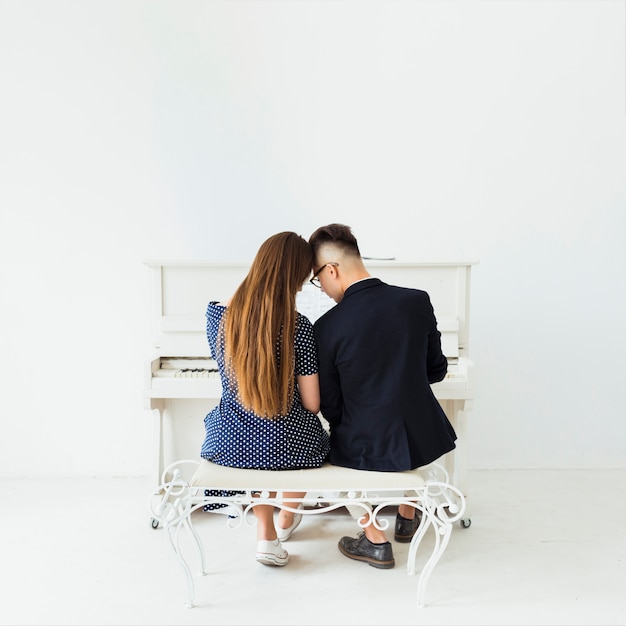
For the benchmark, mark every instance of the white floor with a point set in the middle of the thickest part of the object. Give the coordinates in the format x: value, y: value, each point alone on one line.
x: 544, y: 547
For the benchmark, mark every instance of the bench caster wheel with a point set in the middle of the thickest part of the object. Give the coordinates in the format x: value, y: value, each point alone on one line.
x: 154, y: 523
x: 466, y: 523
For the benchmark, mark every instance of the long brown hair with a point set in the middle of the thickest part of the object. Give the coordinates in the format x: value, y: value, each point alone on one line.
x: 258, y: 328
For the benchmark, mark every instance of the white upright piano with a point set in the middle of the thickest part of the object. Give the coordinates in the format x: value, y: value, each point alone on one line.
x: 181, y: 380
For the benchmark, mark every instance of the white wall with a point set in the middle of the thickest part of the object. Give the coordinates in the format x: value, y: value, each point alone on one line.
x: 143, y: 129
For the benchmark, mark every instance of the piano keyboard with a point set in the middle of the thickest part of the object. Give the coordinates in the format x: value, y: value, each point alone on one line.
x: 198, y: 377
x: 186, y: 367
x: 187, y: 373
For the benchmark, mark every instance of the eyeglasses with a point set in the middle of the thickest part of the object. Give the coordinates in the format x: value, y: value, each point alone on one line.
x: 315, y: 280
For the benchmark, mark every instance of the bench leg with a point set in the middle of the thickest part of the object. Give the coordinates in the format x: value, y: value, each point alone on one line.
x: 198, y: 543
x: 442, y: 537
x: 173, y: 534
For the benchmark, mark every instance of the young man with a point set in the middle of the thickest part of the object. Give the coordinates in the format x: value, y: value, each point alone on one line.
x: 379, y: 349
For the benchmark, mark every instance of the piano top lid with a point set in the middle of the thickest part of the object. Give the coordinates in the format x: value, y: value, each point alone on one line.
x: 368, y: 261
x: 181, y: 290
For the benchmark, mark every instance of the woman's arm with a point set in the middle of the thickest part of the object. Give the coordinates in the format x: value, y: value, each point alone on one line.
x: 309, y: 387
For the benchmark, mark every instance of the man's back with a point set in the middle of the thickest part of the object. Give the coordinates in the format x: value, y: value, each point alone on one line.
x: 379, y: 350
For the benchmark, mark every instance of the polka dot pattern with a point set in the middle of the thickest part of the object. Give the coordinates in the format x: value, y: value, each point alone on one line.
x: 237, y: 437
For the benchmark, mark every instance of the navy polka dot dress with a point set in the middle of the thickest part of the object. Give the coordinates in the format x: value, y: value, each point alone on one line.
x: 237, y: 437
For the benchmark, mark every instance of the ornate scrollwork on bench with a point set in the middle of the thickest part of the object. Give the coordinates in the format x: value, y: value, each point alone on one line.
x: 327, y: 489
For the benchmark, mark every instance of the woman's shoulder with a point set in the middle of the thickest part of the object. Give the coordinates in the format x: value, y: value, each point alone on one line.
x: 302, y: 321
x: 301, y: 316
x: 215, y: 310
x: 214, y: 305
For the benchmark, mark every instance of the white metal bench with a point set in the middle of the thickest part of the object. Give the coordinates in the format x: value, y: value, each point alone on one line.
x: 327, y: 488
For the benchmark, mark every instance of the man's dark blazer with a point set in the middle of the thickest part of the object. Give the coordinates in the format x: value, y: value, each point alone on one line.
x: 379, y: 349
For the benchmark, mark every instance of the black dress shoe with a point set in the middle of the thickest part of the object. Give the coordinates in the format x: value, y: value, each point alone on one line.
x: 405, y: 528
x: 362, y: 549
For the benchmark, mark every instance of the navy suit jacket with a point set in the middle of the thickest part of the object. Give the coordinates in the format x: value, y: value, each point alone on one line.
x: 379, y: 349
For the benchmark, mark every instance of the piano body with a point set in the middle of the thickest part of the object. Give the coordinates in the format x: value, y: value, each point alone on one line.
x: 181, y: 380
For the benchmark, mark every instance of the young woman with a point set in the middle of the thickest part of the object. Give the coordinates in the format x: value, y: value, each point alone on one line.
x: 267, y: 357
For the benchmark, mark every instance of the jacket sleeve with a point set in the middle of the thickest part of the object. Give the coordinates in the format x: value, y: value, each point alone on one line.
x: 331, y: 400
x: 436, y: 362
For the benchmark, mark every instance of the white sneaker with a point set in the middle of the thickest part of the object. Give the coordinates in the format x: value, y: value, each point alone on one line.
x: 271, y: 553
x: 284, y: 533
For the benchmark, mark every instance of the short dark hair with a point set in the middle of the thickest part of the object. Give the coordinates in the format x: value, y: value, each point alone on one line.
x: 339, y: 235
